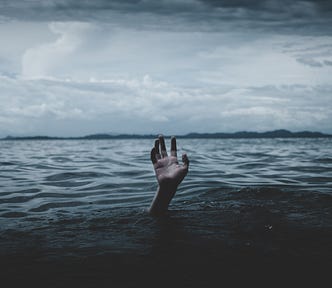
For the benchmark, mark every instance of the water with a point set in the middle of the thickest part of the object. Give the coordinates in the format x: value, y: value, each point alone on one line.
x: 78, y: 199
x: 42, y: 179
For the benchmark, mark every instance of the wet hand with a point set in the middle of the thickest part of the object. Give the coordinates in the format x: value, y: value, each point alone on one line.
x: 168, y: 171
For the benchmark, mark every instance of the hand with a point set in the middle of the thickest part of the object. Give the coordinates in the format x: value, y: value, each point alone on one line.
x: 168, y: 171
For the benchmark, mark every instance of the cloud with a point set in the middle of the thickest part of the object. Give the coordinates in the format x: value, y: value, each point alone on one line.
x: 72, y: 108
x: 310, y: 62
x: 315, y: 52
x: 306, y: 17
x: 79, y: 67
x: 43, y: 60
x: 328, y: 62
x: 170, y: 6
x: 30, y: 103
x: 81, y: 51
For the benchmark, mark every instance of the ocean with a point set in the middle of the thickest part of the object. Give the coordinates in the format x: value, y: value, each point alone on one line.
x: 74, y: 212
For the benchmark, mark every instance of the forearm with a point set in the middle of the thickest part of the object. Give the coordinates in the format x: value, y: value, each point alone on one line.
x: 162, y: 199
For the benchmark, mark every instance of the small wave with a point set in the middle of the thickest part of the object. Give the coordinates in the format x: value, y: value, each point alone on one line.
x: 324, y: 160
x: 105, y: 186
x: 309, y: 169
x: 7, y: 163
x: 67, y: 183
x: 48, y: 206
x: 13, y: 214
x: 252, y: 165
x: 17, y: 199
x: 125, y: 200
x: 268, y: 193
x: 46, y: 167
x: 58, y: 195
x: 133, y: 173
x: 61, y: 159
x: 24, y: 191
x: 74, y: 175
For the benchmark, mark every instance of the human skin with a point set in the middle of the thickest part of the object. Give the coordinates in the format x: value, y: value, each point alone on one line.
x: 169, y: 174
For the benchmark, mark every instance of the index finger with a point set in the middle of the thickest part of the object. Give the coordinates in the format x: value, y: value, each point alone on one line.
x: 156, y: 147
x: 162, y: 146
x: 173, y: 147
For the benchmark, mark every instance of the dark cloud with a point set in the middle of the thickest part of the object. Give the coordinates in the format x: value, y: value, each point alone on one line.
x: 328, y: 63
x: 310, y: 62
x: 172, y: 6
x: 285, y: 16
x: 321, y: 6
x: 271, y: 11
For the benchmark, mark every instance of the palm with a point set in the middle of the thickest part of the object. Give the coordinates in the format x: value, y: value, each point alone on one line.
x: 169, y: 172
x: 167, y: 168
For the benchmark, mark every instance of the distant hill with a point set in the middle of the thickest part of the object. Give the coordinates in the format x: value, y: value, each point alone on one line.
x: 269, y: 134
x: 119, y: 136
x: 237, y: 135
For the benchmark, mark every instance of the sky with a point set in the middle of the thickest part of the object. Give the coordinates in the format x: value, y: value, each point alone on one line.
x: 73, y: 68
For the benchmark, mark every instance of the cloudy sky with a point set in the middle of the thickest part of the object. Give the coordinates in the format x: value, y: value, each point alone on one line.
x: 71, y: 68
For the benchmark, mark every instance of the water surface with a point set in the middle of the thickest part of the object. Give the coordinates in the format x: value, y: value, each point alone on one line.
x: 76, y: 199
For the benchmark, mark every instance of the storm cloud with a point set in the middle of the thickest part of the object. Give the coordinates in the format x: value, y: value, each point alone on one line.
x: 78, y: 67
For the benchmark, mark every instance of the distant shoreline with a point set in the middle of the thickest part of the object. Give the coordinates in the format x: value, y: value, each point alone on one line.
x: 236, y: 135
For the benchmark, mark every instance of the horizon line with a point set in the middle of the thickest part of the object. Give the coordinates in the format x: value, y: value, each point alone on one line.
x: 279, y: 133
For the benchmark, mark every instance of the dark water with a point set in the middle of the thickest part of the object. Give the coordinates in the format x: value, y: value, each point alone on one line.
x: 75, y: 210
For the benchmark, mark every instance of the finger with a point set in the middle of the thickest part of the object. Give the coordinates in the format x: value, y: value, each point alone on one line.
x: 173, y: 147
x: 185, y: 161
x: 156, y: 147
x: 162, y: 146
x: 153, y: 155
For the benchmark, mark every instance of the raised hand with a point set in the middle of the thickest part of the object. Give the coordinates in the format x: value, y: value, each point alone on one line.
x: 169, y: 173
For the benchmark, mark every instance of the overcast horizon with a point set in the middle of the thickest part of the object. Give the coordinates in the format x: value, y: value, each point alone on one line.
x: 74, y: 68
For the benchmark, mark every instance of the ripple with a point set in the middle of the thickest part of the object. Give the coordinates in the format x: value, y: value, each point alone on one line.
x: 24, y: 191
x: 104, y: 186
x: 17, y: 199
x: 61, y: 159
x: 74, y: 175
x: 14, y: 215
x: 48, y: 206
x: 325, y: 160
x: 67, y: 183
x: 7, y: 163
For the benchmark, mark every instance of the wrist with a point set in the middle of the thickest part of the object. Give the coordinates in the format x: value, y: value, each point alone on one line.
x: 166, y: 188
x: 162, y: 198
